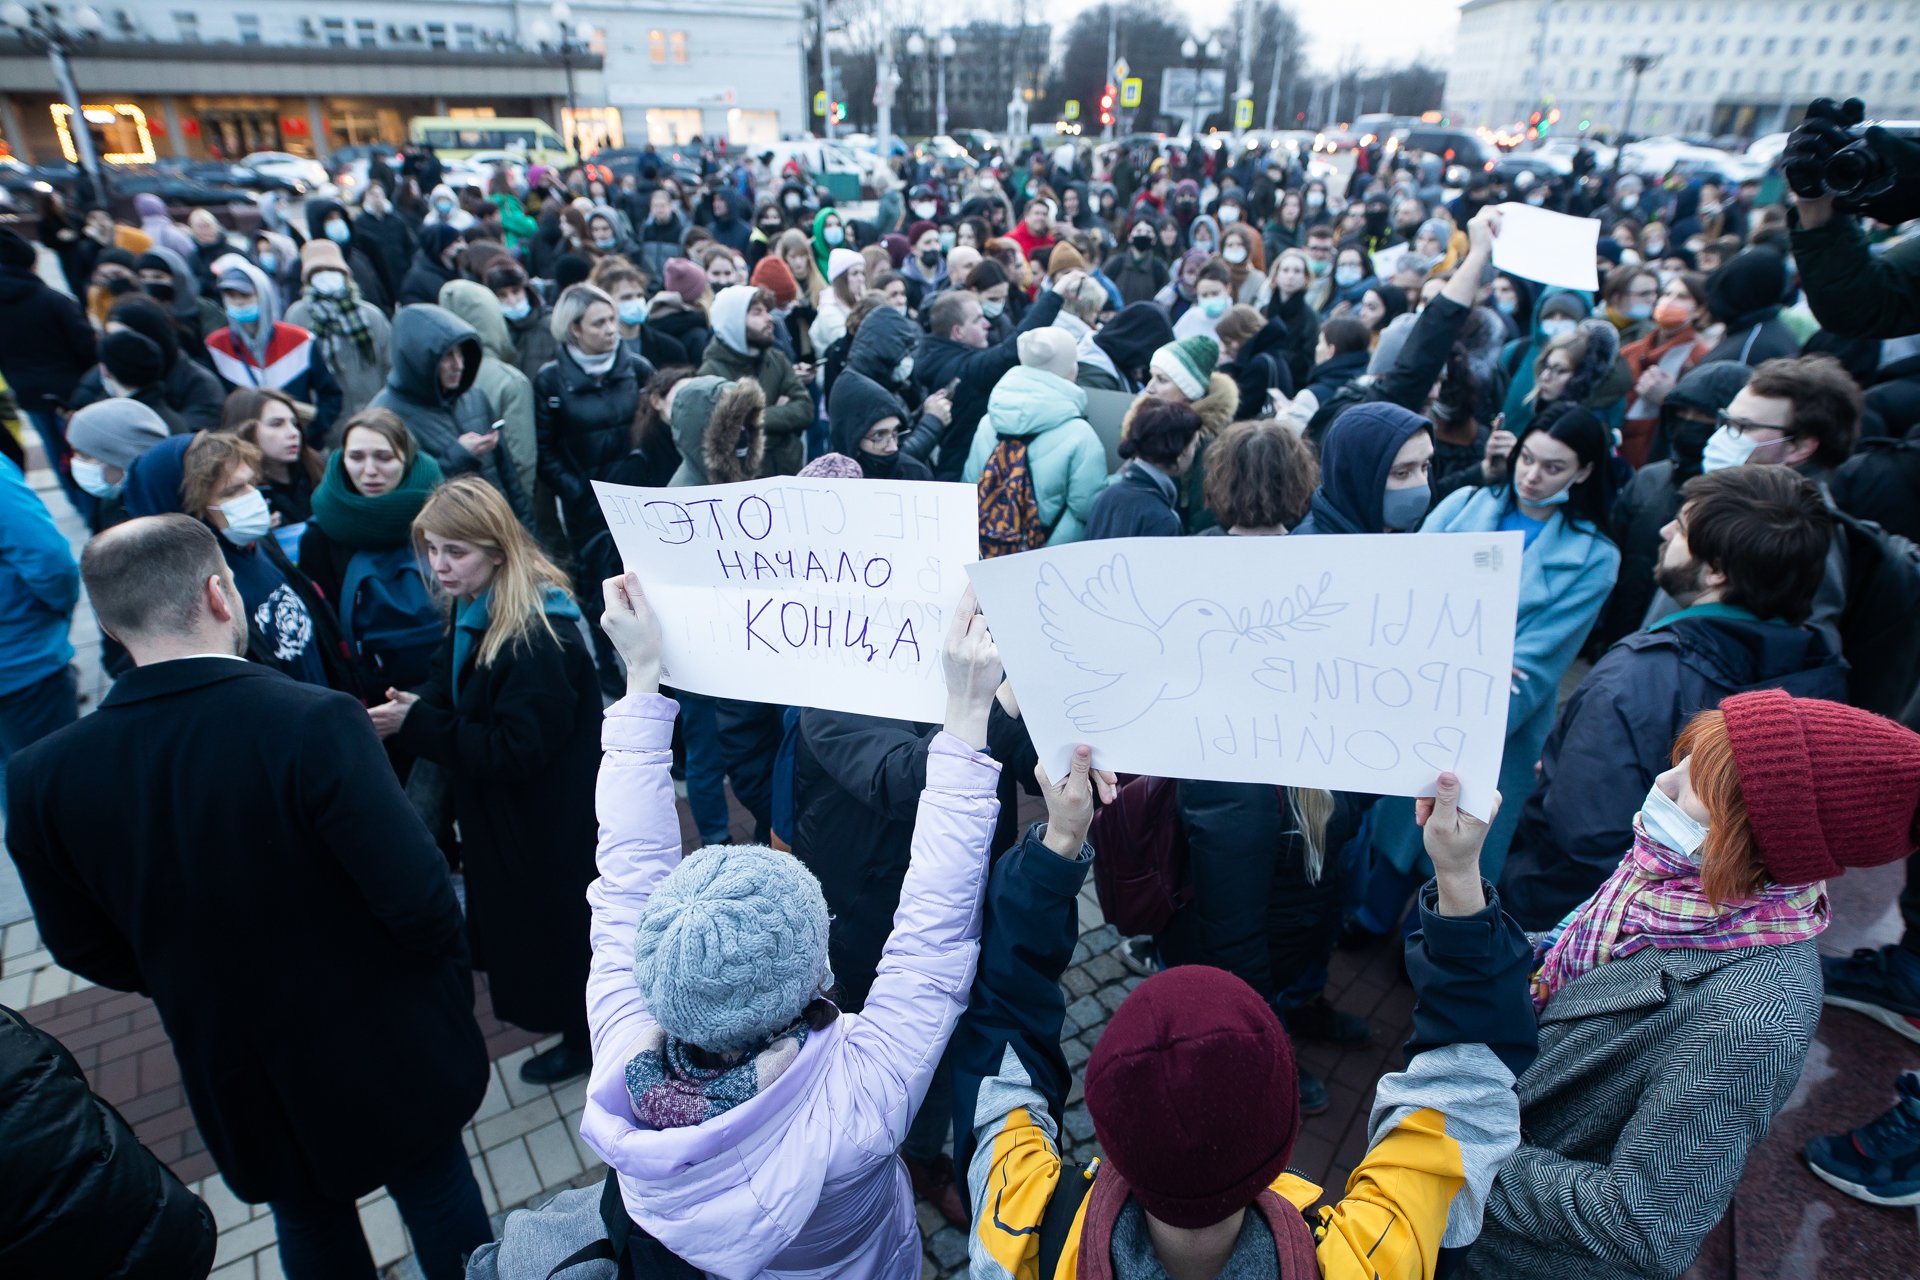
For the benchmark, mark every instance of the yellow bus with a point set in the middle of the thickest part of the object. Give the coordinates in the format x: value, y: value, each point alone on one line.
x: 463, y: 137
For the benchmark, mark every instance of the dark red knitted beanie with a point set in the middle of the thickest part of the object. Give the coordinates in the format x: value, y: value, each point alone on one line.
x: 1827, y: 786
x: 1193, y: 1095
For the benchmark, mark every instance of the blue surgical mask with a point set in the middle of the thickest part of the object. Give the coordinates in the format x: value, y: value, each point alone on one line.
x: 444, y: 206
x: 92, y: 477
x: 1666, y: 823
x: 947, y: 239
x: 1640, y: 311
x: 1346, y: 277
x: 1214, y: 307
x: 833, y: 236
x: 904, y: 370
x: 1554, y: 326
x: 338, y: 231
x: 249, y: 314
x: 991, y: 309
x: 1504, y: 306
x: 604, y: 242
x: 1317, y: 267
x: 1402, y: 510
x: 518, y: 311
x: 633, y: 311
x: 1558, y: 499
x: 269, y: 262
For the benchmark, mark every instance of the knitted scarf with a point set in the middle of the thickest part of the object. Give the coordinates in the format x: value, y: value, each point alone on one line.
x: 337, y: 321
x: 1654, y: 899
x: 358, y: 522
x: 669, y: 1090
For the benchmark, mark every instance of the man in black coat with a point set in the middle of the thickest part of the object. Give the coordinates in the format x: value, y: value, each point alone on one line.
x: 79, y: 1195
x: 49, y: 347
x: 956, y: 354
x: 1744, y: 558
x: 260, y: 874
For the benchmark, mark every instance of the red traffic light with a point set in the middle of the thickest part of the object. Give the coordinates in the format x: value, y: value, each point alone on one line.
x: 1534, y: 118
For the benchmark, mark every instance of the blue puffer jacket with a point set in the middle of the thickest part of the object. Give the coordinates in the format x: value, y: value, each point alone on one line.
x: 39, y: 585
x: 1066, y: 459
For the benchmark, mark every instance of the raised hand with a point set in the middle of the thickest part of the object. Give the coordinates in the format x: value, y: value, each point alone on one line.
x: 971, y: 662
x: 1453, y: 838
x: 630, y: 624
x: 1070, y: 801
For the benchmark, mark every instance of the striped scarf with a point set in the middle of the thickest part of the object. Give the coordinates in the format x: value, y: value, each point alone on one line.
x: 1654, y: 900
x: 669, y: 1089
x: 337, y: 321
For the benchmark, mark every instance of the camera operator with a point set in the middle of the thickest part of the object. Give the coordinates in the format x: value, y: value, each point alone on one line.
x: 1837, y: 169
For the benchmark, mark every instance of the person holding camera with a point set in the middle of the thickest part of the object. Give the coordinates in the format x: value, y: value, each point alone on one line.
x: 1837, y: 169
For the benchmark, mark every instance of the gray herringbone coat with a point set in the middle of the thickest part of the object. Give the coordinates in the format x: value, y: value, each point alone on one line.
x: 1657, y: 1075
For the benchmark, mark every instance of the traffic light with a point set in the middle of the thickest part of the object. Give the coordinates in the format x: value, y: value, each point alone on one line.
x: 840, y: 112
x: 1106, y: 104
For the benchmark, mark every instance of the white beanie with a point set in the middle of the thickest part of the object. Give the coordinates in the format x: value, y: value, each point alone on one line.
x: 840, y: 260
x: 1050, y: 349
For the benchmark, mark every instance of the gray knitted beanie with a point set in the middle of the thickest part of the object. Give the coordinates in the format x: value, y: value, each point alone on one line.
x: 732, y: 946
x: 115, y: 431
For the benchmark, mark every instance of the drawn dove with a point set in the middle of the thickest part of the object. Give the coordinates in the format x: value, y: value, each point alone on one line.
x: 1105, y: 630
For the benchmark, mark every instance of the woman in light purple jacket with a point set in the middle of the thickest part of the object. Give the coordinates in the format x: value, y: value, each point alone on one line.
x: 752, y: 1125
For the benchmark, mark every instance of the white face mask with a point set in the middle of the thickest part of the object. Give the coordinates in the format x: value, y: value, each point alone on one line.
x: 92, y: 477
x: 248, y: 518
x: 1228, y: 216
x: 1666, y: 822
x: 1727, y: 448
x: 1554, y: 326
x: 925, y: 208
x: 331, y: 283
x: 1235, y: 253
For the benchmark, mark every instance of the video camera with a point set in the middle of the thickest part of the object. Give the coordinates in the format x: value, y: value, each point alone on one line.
x: 1871, y: 169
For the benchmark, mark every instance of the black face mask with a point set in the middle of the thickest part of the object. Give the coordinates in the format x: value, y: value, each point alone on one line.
x: 1143, y: 244
x: 1185, y: 206
x: 1688, y: 440
x: 930, y: 258
x: 876, y: 466
x: 161, y: 290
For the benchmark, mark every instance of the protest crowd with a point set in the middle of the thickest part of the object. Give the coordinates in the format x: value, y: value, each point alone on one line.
x: 347, y: 550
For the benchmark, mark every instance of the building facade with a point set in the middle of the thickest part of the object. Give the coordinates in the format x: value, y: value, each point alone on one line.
x: 213, y: 79
x: 1743, y: 67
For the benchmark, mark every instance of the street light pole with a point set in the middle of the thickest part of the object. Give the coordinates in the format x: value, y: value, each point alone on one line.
x: 826, y: 69
x: 946, y: 48
x: 41, y: 28
x: 1639, y: 64
x: 566, y: 39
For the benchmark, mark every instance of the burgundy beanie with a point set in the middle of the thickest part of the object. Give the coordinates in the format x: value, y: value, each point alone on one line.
x: 919, y: 229
x: 1193, y: 1095
x: 1826, y: 786
x: 897, y: 248
x: 684, y: 277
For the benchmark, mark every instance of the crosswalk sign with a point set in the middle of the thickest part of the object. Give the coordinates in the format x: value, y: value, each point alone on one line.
x: 1130, y: 92
x: 1243, y: 113
x: 820, y: 103
x: 1072, y: 111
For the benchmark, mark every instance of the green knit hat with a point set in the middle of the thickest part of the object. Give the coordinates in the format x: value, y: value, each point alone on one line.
x: 1187, y: 364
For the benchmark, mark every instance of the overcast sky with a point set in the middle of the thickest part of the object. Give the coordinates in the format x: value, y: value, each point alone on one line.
x: 1380, y: 32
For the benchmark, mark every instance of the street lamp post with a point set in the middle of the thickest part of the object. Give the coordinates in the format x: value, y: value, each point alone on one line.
x: 41, y: 28
x: 567, y: 40
x: 1191, y: 51
x: 946, y: 48
x: 1639, y: 64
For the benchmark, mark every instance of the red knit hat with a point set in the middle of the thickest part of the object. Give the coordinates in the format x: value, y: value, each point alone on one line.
x: 919, y: 229
x: 1827, y: 786
x: 776, y: 277
x: 1193, y: 1095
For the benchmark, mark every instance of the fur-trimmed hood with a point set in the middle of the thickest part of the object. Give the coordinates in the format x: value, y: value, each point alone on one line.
x: 1216, y: 408
x: 711, y: 416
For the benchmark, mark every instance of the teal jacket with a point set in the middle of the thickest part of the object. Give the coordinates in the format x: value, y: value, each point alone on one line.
x: 39, y: 586
x: 1066, y: 459
x: 1564, y: 580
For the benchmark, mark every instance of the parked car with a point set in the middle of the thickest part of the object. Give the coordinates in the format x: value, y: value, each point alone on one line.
x: 1559, y: 153
x: 306, y: 174
x: 222, y: 173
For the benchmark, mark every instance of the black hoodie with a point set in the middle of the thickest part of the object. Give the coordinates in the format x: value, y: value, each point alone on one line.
x: 856, y: 404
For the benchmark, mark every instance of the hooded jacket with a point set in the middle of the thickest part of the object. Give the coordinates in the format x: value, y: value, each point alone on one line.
x: 39, y: 586
x: 367, y: 276
x: 426, y: 273
x: 716, y: 425
x: 729, y: 228
x: 659, y: 242
x: 1259, y: 366
x: 885, y: 339
x: 801, y: 1180
x: 685, y: 323
x: 190, y: 398
x: 730, y: 355
x: 939, y: 360
x: 275, y: 354
x: 1745, y: 294
x: 1113, y: 354
x: 1065, y: 458
x: 507, y: 389
x: 159, y: 225
x: 436, y: 416
x: 389, y: 243
x: 857, y: 403
x: 1355, y: 459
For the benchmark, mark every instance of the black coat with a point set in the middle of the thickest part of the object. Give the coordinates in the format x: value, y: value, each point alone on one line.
x: 79, y: 1195
x: 389, y: 243
x: 856, y: 787
x: 521, y: 746
x: 191, y: 397
x: 1327, y: 378
x: 1303, y: 332
x: 286, y: 910
x: 583, y: 425
x: 940, y: 360
x: 1134, y: 506
x: 1411, y: 376
x: 423, y: 280
x: 1260, y: 366
x: 1650, y: 500
x: 1616, y: 733
x: 49, y: 345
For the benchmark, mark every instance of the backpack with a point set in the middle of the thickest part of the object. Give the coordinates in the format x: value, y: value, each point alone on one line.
x: 1880, y: 623
x: 1009, y: 508
x: 1141, y: 873
x: 388, y: 615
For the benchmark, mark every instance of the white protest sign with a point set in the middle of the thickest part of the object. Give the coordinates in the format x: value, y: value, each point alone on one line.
x: 1364, y: 663
x: 815, y: 593
x: 1552, y: 248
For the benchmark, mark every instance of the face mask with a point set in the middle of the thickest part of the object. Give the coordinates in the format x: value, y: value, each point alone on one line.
x: 1671, y: 313
x: 1558, y: 499
x: 992, y: 310
x: 1213, y: 308
x: 1229, y: 216
x: 1726, y: 448
x: 1504, y: 306
x: 603, y: 242
x: 1537, y: 199
x: 518, y: 311
x: 833, y: 236
x: 1316, y: 202
x: 904, y: 370
x: 1640, y: 311
x: 947, y: 241
x: 117, y: 285
x: 1708, y: 210
x: 1235, y: 253
x: 792, y: 201
x: 633, y: 311
x: 443, y: 206
x: 1404, y: 509
x: 1655, y: 248
x: 1668, y: 824
x: 159, y: 290
x: 925, y: 208
x: 331, y: 283
x: 930, y: 258
x: 1346, y: 276
x: 270, y: 262
x: 248, y: 518
x: 92, y: 477
x: 1316, y: 268
x: 249, y: 314
x: 1554, y: 326
x: 339, y: 232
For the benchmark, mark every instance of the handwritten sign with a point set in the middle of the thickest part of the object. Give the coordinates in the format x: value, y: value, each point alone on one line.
x: 1358, y: 663
x: 817, y: 593
x: 1549, y: 247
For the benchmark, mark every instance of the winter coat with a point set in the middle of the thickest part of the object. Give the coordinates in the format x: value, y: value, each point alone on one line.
x: 856, y: 785
x: 533, y: 342
x: 1564, y: 579
x: 584, y: 424
x: 939, y: 360
x: 1216, y: 409
x: 1410, y: 379
x: 729, y: 356
x: 189, y: 397
x: 438, y: 417
x: 389, y: 244
x: 1616, y: 733
x: 1518, y: 358
x: 1328, y: 378
x: 1755, y: 341
x: 1657, y: 1074
x: 290, y: 361
x: 1303, y: 332
x: 361, y: 374
x: 425, y: 275
x: 1141, y: 502
x: 193, y: 314
x: 1260, y: 366
x: 1065, y: 458
x: 801, y: 1180
x: 1854, y: 293
x: 1139, y: 279
x: 520, y: 744
x: 375, y: 290
x: 680, y: 320
x: 1881, y: 483
x: 79, y: 1195
x: 49, y: 345
x: 353, y: 910
x: 39, y: 586
x: 661, y: 243
x: 708, y: 416
x: 506, y: 387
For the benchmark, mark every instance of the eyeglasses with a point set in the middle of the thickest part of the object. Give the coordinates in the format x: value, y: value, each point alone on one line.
x: 1740, y: 427
x: 892, y: 436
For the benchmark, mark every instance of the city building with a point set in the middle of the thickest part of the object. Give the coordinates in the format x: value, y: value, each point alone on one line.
x: 207, y: 79
x: 1743, y: 67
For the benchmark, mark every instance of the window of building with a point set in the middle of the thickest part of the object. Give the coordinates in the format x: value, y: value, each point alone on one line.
x: 1653, y: 14
x: 1820, y: 45
x: 1900, y: 45
x: 463, y: 37
x: 248, y: 25
x: 1593, y: 79
x: 1793, y: 46
x: 1733, y: 81
x: 1713, y: 79
x: 1633, y: 11
x: 1720, y: 45
x: 437, y: 35
x: 1686, y: 80
x: 367, y: 32
x: 1859, y: 13
x: 1866, y: 81
x: 1579, y: 45
x: 1873, y: 45
x: 1806, y: 13
x: 1586, y: 14
x: 336, y: 32
x: 1886, y: 85
x: 656, y: 51
x: 678, y: 40
x: 1746, y: 42
x: 187, y: 26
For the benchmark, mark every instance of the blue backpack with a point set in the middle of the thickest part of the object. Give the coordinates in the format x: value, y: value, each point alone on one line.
x: 389, y: 616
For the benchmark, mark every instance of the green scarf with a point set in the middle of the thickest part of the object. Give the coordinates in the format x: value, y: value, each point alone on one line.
x: 358, y: 522
x: 470, y: 622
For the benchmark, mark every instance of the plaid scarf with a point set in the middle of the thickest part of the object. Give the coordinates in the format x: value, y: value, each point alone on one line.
x: 669, y: 1090
x: 1654, y: 900
x: 337, y: 321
